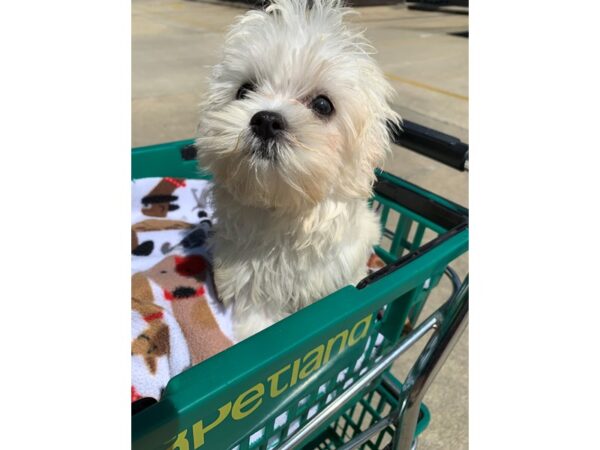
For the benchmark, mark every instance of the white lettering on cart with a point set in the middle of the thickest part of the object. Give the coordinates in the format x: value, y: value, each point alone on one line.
x: 250, y: 400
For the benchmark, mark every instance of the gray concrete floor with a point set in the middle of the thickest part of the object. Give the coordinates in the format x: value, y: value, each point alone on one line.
x: 174, y: 43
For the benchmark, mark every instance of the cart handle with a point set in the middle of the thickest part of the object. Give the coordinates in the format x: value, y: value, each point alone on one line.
x: 434, y: 144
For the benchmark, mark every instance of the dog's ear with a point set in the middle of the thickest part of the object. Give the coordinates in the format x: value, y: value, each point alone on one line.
x: 380, y: 134
x: 374, y: 146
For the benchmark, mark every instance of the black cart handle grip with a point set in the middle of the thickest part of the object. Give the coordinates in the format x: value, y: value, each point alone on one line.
x: 444, y: 148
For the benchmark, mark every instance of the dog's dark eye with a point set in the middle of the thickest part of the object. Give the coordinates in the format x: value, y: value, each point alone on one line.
x: 322, y: 106
x: 243, y: 91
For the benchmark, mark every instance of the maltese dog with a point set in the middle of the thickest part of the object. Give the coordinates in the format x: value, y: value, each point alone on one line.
x: 292, y: 127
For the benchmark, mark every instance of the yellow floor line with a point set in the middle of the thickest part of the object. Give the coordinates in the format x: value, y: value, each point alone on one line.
x: 426, y: 86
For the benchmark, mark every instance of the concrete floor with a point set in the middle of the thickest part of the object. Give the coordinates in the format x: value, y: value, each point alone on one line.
x: 175, y: 41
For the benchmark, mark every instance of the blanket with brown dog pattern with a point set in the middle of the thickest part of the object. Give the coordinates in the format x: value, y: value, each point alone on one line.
x: 176, y: 320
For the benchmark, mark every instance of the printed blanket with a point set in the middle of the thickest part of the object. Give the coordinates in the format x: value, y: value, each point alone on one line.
x: 177, y: 321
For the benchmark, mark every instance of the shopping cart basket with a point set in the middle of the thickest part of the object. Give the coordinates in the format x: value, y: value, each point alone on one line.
x: 320, y: 378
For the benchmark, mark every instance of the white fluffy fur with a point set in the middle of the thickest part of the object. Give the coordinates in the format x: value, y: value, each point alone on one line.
x: 293, y: 229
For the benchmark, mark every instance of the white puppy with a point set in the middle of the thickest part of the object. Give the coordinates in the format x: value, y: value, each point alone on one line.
x: 292, y: 127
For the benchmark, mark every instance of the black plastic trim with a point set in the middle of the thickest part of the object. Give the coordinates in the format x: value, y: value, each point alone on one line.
x: 189, y: 152
x: 141, y: 404
x: 425, y: 207
x: 434, y: 144
x: 403, y: 261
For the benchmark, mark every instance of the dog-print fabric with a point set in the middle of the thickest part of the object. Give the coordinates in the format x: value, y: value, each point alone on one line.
x: 176, y: 319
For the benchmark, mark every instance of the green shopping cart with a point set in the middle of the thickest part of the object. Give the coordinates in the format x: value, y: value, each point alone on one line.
x: 320, y: 378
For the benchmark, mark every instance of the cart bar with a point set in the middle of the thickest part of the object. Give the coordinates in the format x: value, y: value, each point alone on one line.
x: 444, y: 148
x: 373, y: 373
x: 450, y: 326
x: 363, y: 437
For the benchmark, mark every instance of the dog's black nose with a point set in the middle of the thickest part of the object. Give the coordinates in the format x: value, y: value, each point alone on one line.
x: 267, y: 124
